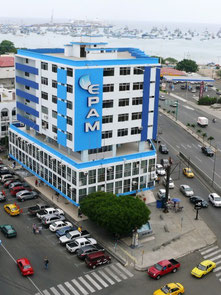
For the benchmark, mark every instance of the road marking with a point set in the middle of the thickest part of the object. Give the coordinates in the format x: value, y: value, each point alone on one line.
x: 211, y: 254
x: 118, y: 272
x: 93, y: 282
x: 217, y: 269
x: 218, y: 262
x: 106, y: 277
x: 183, y: 146
x: 54, y: 291
x: 178, y: 146
x: 79, y: 287
x: 218, y: 274
x: 86, y: 284
x: 189, y: 108
x: 198, y: 159
x: 46, y: 292
x: 113, y: 275
x: 125, y: 270
x: 189, y: 146
x: 63, y: 290
x: 178, y: 97
x: 100, y: 279
x: 215, y: 257
x: 209, y: 250
x: 68, y: 285
x: 195, y: 146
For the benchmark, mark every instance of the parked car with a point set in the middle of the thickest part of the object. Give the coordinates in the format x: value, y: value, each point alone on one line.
x: 16, y: 189
x: 170, y: 289
x: 160, y: 170
x: 65, y: 230
x: 162, y: 98
x: 163, y: 149
x: 197, y: 199
x: 171, y: 183
x: 26, y: 195
x: 186, y: 190
x: 8, y: 230
x: 48, y: 219
x: 174, y: 104
x: 164, y: 162
x: 207, y: 151
x: 25, y: 266
x: 48, y: 211
x: 84, y: 251
x: 79, y: 243
x: 215, y: 199
x: 72, y: 235
x: 193, y: 90
x: 14, y: 184
x: 162, y: 268
x: 6, y: 177
x: 38, y: 207
x: 188, y: 172
x: 12, y: 209
x: 59, y: 225
x: 2, y: 197
x: 8, y: 182
x: 162, y: 193
x: 95, y: 259
x: 203, y: 268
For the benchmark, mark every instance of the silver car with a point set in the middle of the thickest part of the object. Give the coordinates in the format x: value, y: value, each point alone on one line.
x: 26, y: 195
x: 186, y: 190
x: 215, y: 199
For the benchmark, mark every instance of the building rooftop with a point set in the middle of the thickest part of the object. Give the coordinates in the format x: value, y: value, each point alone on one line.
x: 6, y: 61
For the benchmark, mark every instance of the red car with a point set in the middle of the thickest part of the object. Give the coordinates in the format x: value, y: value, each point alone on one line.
x: 8, y: 182
x: 25, y: 266
x: 15, y: 190
x: 162, y: 268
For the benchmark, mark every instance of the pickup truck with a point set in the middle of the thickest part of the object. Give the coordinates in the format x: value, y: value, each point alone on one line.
x: 163, y: 267
x: 48, y: 211
x: 73, y: 235
x: 79, y: 243
x: 35, y: 209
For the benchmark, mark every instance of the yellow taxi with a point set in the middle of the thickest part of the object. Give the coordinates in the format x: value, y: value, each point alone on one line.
x: 188, y: 172
x: 172, y: 289
x: 12, y: 209
x: 203, y: 268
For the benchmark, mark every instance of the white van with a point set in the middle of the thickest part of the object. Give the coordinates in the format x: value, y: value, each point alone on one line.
x: 202, y: 121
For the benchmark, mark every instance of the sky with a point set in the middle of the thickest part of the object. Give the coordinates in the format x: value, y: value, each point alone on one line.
x: 186, y: 11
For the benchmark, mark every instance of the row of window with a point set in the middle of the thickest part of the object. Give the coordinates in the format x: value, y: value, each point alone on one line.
x: 54, y: 84
x: 124, y: 71
x: 54, y: 68
x: 122, y: 117
x: 121, y: 132
x: 44, y: 95
x: 123, y: 87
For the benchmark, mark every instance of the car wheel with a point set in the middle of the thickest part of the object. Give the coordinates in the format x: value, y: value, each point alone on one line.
x: 22, y: 200
x: 94, y: 266
x: 158, y: 277
x: 179, y: 293
x: 174, y: 270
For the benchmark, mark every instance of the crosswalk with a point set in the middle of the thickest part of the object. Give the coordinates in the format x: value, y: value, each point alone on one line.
x: 213, y: 253
x: 91, y: 282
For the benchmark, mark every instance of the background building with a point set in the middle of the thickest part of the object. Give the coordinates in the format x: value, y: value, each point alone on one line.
x: 89, y: 112
x: 7, y: 71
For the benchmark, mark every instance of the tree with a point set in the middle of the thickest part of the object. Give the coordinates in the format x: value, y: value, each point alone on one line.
x: 7, y: 46
x: 171, y: 60
x: 210, y: 139
x: 204, y: 135
x: 187, y: 65
x: 161, y: 60
x: 119, y: 215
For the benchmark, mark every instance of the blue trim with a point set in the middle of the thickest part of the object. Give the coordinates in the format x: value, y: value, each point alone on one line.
x: 26, y: 68
x: 184, y: 79
x: 61, y: 138
x: 88, y: 63
x: 61, y: 91
x: 156, y: 103
x: 61, y: 107
x: 45, y: 50
x: 27, y: 122
x: 62, y: 123
x: 27, y: 109
x: 26, y: 82
x: 45, y: 181
x: 145, y: 106
x: 26, y: 95
x: 62, y: 76
x: 89, y: 43
x: 136, y: 191
x: 84, y: 165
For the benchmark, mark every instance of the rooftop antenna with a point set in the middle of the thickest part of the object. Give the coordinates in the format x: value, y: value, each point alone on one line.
x: 52, y: 16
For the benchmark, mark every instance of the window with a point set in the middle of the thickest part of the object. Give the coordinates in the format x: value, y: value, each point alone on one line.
x: 103, y: 149
x: 44, y: 95
x: 44, y: 124
x: 69, y: 88
x: 107, y: 119
x: 136, y: 116
x: 69, y: 104
x: 137, y: 100
x: 26, y: 60
x: 54, y: 114
x: 108, y: 104
x: 137, y: 85
x: 4, y: 128
x: 138, y: 71
x: 44, y: 66
x: 13, y: 112
x: 127, y: 170
x: 26, y: 74
x: 118, y: 171
x: 69, y: 136
x: 123, y: 102
x: 69, y: 72
x: 54, y: 84
x: 108, y: 72
x: 122, y: 132
x: 136, y: 130
x: 69, y: 121
x: 125, y: 71
x: 54, y: 129
x: 44, y: 110
x: 54, y: 68
x: 124, y: 86
x: 106, y: 134
x: 27, y: 87
x: 108, y: 87
x: 44, y: 81
x: 123, y: 117
x: 54, y: 99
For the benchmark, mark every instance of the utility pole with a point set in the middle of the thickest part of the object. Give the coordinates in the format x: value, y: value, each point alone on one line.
x: 167, y: 189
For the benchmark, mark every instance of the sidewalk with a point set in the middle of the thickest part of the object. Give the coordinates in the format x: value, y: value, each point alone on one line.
x: 174, y: 234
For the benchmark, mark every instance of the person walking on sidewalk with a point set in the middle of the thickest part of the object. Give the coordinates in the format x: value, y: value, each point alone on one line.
x: 46, y: 262
x: 34, y: 227
x: 36, y: 182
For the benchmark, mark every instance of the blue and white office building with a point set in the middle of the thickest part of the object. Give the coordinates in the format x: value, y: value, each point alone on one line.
x: 90, y: 112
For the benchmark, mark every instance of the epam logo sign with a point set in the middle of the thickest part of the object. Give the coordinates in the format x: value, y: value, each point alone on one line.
x: 92, y: 101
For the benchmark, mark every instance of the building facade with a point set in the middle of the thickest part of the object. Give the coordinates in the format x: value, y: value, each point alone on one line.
x: 7, y: 71
x: 90, y: 113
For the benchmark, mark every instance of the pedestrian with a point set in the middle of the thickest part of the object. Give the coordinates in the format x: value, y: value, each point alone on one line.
x: 57, y: 195
x: 46, y: 262
x: 34, y: 227
x: 39, y: 182
x: 79, y: 213
x: 80, y: 229
x: 36, y: 182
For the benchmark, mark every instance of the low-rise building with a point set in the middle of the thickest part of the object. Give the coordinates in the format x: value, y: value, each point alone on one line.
x: 7, y: 71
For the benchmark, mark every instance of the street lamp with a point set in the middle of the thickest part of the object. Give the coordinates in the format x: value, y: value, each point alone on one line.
x: 214, y: 166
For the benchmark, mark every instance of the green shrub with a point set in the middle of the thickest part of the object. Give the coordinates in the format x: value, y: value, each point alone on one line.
x: 206, y: 100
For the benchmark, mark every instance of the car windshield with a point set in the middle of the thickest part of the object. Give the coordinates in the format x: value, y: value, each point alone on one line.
x: 14, y: 209
x: 188, y: 189
x: 217, y: 199
x: 188, y: 170
x: 27, y: 266
x: 158, y: 266
x: 201, y: 267
x: 68, y: 235
x: 165, y: 289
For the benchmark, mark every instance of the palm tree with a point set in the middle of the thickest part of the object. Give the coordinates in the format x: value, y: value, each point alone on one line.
x: 204, y: 135
x: 210, y: 139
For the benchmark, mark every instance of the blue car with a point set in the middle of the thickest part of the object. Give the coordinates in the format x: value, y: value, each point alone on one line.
x: 65, y: 230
